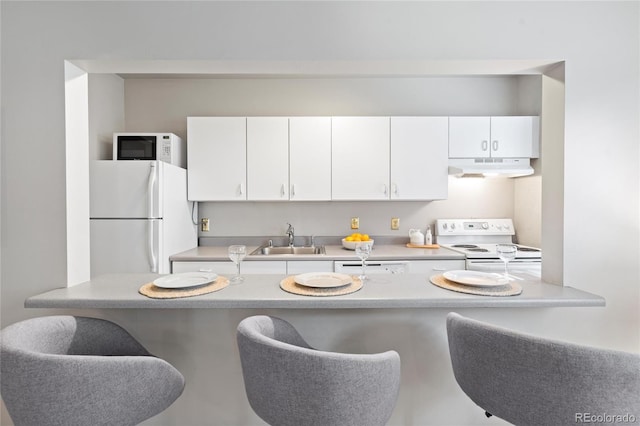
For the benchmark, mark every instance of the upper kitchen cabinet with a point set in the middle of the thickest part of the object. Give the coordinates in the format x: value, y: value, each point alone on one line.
x: 310, y: 158
x: 419, y: 158
x: 360, y: 158
x: 217, y: 158
x: 497, y: 137
x: 267, y: 158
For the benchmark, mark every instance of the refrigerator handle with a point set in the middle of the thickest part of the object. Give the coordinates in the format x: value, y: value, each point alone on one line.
x: 150, y: 231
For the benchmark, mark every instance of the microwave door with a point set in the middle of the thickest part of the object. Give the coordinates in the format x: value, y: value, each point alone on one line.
x: 134, y: 147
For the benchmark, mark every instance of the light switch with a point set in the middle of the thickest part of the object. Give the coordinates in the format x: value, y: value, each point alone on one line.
x: 204, y: 224
x: 395, y: 223
x: 355, y: 222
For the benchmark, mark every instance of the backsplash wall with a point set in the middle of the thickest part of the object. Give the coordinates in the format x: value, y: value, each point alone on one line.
x: 468, y: 197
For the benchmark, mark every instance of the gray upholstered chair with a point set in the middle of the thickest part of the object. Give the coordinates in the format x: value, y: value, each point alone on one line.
x: 527, y: 380
x: 65, y: 370
x: 289, y: 383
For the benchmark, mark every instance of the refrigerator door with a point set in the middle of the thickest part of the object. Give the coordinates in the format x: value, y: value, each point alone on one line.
x: 125, y: 245
x: 125, y: 189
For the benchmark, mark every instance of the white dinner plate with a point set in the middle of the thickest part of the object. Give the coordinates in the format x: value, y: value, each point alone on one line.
x: 322, y: 279
x: 185, y: 279
x: 476, y: 278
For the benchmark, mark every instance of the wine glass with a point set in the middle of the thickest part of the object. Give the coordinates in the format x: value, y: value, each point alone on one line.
x: 236, y: 254
x: 363, y: 250
x: 506, y: 252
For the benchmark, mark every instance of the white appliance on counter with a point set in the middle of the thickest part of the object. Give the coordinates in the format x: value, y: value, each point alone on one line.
x: 477, y: 239
x: 165, y: 147
x: 139, y: 216
x: 373, y: 267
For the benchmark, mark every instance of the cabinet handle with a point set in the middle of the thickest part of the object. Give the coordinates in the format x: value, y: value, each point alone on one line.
x: 282, y: 190
x: 495, y: 145
x: 384, y: 188
x: 485, y: 145
x: 205, y: 270
x: 293, y: 189
x: 241, y: 189
x: 395, y: 190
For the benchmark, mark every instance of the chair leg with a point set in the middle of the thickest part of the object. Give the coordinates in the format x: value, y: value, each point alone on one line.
x: 488, y: 414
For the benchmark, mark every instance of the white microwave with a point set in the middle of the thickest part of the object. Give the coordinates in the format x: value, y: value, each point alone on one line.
x: 165, y: 147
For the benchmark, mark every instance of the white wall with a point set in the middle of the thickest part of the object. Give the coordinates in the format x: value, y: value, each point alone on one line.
x: 484, y: 95
x: 598, y: 40
x: 106, y: 114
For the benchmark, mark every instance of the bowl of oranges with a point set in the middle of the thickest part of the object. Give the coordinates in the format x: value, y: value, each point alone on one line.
x: 350, y: 242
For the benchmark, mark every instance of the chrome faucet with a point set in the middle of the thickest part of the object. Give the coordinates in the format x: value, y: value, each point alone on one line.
x: 290, y: 233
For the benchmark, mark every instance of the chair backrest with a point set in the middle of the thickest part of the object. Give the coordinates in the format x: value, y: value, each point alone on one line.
x: 78, y: 371
x: 289, y: 383
x: 528, y: 380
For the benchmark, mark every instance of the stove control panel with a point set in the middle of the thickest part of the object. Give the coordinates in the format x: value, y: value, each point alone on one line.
x: 474, y: 227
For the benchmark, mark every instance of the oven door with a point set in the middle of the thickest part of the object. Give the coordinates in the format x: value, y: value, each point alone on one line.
x: 523, y: 268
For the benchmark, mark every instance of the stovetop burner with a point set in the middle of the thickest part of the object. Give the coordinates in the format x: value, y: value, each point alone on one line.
x: 479, y: 250
x: 466, y: 246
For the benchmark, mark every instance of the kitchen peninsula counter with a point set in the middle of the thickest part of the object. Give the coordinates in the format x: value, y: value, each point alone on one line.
x: 116, y: 291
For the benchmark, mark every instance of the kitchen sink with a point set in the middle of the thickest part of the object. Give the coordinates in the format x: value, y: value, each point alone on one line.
x: 287, y: 250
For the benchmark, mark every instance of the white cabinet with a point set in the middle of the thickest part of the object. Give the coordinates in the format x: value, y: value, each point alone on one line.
x: 515, y: 137
x: 433, y: 267
x: 264, y: 267
x: 310, y: 158
x: 419, y: 158
x: 318, y: 158
x: 303, y: 266
x: 216, y: 158
x: 228, y: 268
x: 360, y: 158
x: 219, y: 267
x: 497, y: 137
x: 267, y: 158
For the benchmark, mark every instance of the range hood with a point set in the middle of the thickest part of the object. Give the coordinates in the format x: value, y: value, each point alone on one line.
x: 489, y: 167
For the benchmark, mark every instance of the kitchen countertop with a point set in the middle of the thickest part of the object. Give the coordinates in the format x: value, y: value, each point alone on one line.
x: 333, y: 252
x: 117, y: 291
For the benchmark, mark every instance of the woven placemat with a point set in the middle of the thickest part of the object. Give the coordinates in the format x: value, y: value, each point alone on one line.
x: 150, y: 290
x: 289, y: 285
x: 511, y: 289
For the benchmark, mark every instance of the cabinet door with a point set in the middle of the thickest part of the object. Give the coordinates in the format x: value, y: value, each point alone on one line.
x: 360, y: 158
x: 219, y: 267
x: 267, y: 158
x: 229, y: 268
x: 419, y: 158
x: 513, y: 137
x: 433, y: 267
x: 304, y: 266
x: 264, y: 267
x: 469, y: 137
x: 216, y: 157
x: 310, y: 158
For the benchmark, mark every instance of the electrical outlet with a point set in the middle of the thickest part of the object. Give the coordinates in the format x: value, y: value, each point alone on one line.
x: 395, y: 223
x: 355, y: 222
x: 204, y: 224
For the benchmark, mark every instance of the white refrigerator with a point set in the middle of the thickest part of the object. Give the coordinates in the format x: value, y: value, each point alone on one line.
x: 139, y: 215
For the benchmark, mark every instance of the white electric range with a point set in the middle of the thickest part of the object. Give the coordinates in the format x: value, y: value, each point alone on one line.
x: 477, y: 240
